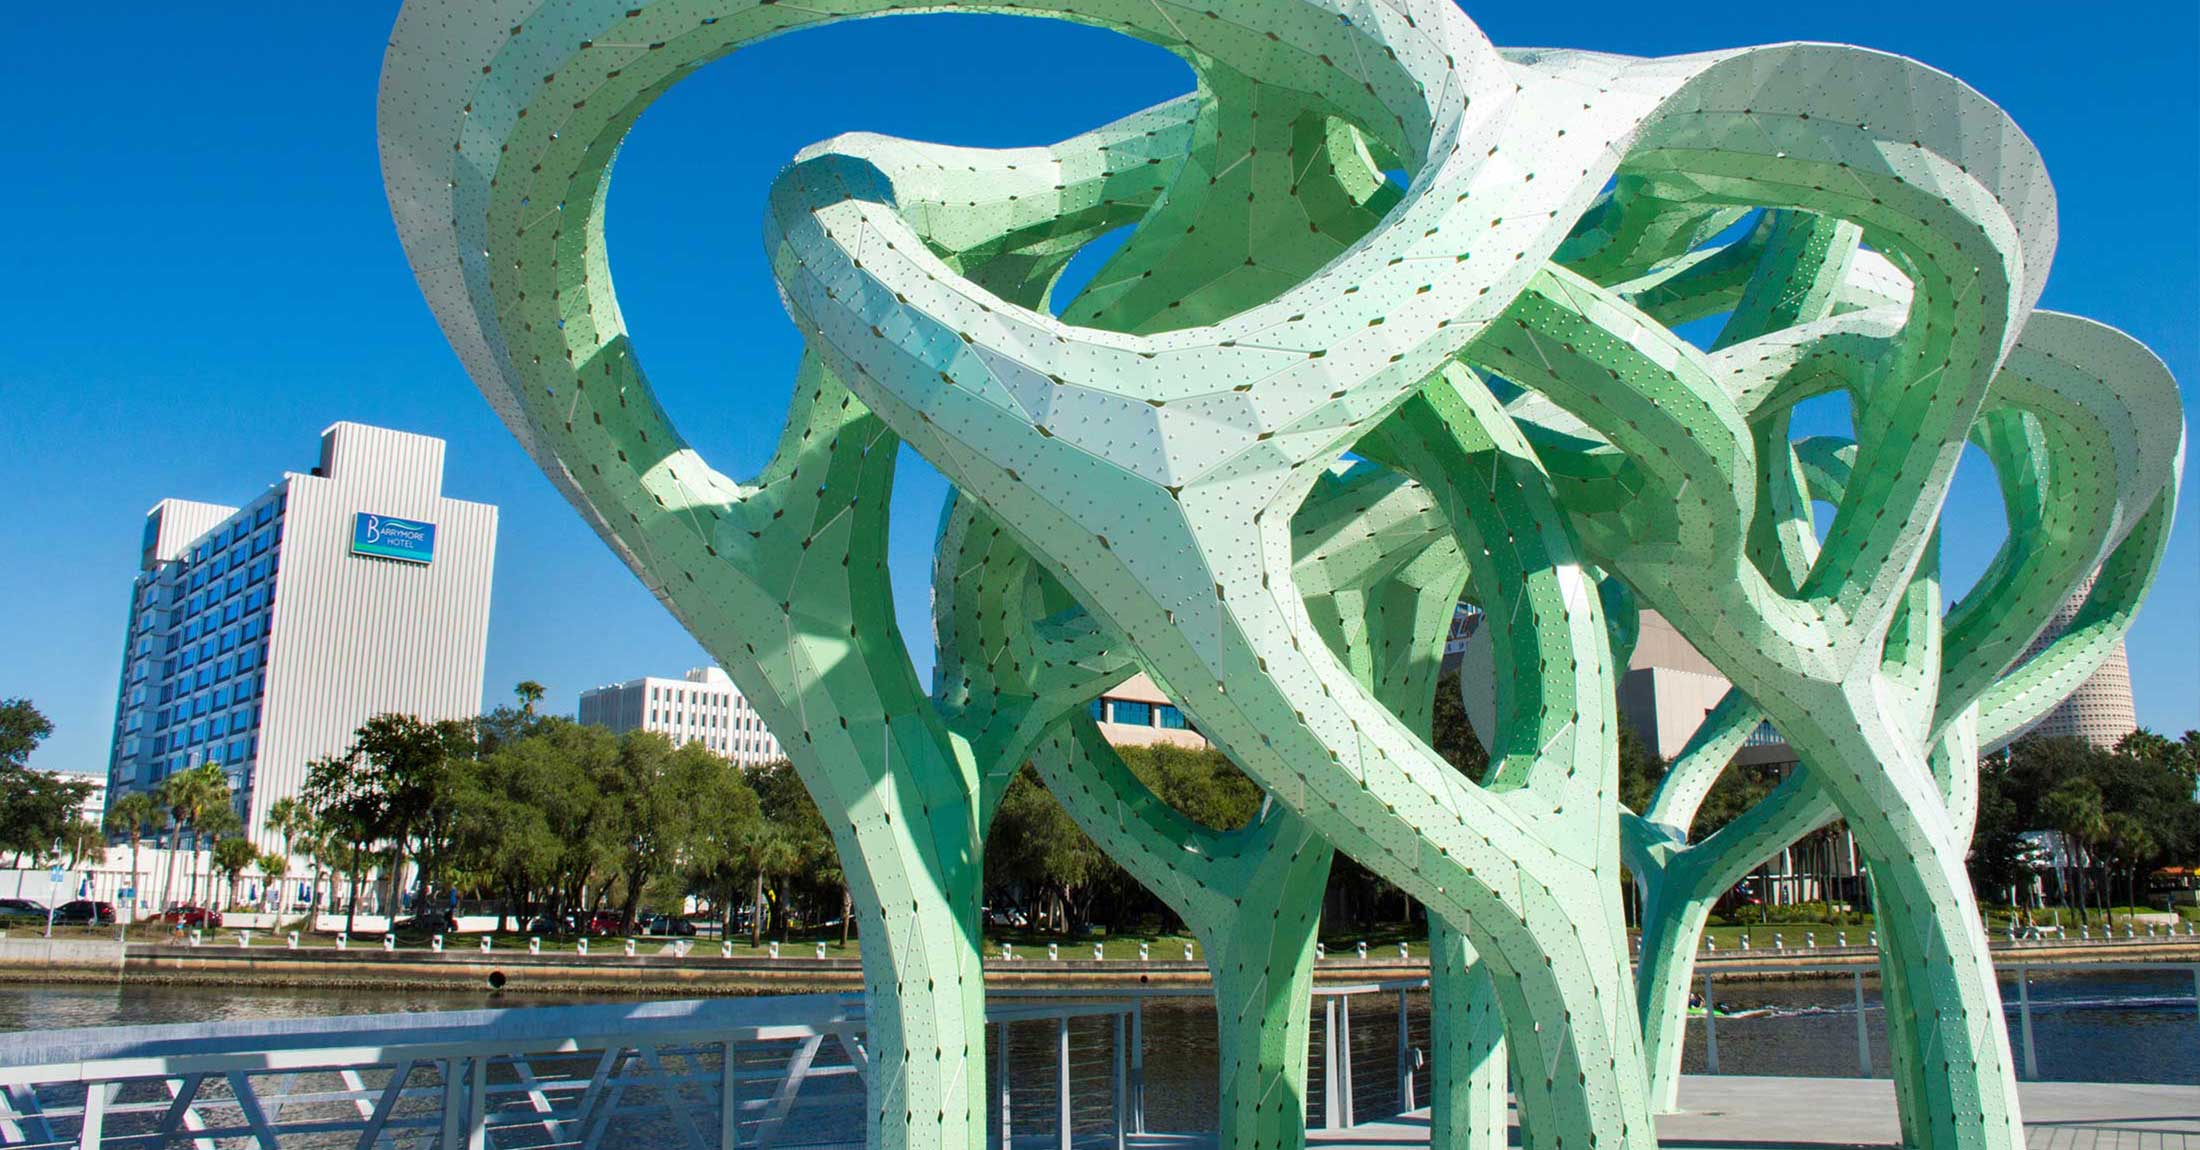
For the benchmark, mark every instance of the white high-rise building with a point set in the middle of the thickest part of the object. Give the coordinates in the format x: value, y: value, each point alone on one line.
x: 703, y: 706
x: 260, y: 637
x: 2101, y: 710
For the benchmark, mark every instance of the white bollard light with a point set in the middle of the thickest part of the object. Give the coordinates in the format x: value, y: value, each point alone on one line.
x: 821, y: 949
x: 580, y: 947
x: 725, y: 950
x: 1711, y: 944
x: 488, y: 943
x: 1403, y: 952
x: 1810, y: 940
x: 1745, y: 942
x: 389, y: 941
x: 1098, y: 952
x: 1144, y: 954
x: 1320, y: 952
x: 630, y: 948
x: 1054, y: 952
x: 294, y: 940
x: 775, y: 948
x: 436, y: 944
x: 1363, y: 950
x: 343, y: 940
x: 1007, y: 952
x: 1778, y: 943
x: 244, y: 938
x: 1841, y: 939
x: 534, y: 944
x: 195, y: 938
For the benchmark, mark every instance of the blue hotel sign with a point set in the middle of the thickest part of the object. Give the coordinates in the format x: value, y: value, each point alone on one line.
x: 384, y: 537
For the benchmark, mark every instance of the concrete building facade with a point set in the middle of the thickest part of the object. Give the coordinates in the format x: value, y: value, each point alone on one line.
x: 260, y: 637
x: 2101, y: 710
x: 1136, y: 713
x: 703, y: 705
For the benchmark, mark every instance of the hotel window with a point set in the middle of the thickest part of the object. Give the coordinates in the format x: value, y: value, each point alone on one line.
x: 1099, y: 710
x: 1168, y: 715
x: 1132, y: 714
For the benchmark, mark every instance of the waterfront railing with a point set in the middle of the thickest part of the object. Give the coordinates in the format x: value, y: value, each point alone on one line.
x: 772, y: 1073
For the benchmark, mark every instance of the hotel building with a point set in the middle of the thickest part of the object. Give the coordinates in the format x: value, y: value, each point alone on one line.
x: 260, y: 637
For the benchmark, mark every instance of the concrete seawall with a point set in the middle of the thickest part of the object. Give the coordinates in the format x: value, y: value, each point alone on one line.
x: 701, y: 973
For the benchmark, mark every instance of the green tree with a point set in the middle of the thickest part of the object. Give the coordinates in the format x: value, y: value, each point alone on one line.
x: 134, y: 816
x: 273, y: 867
x: 530, y: 693
x: 37, y: 809
x: 2075, y: 808
x: 82, y: 841
x: 1037, y: 846
x: 643, y: 820
x: 726, y: 851
x: 402, y: 765
x: 191, y: 796
x: 293, y: 819
x: 232, y: 856
x: 517, y: 804
x: 350, y: 813
x: 795, y: 842
x: 22, y: 728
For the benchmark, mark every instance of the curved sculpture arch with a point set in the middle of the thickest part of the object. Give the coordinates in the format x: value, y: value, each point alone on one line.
x: 1495, y: 338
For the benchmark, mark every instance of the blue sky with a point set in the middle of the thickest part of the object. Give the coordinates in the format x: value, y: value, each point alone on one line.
x: 203, y: 275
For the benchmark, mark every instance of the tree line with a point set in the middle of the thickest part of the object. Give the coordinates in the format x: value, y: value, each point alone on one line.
x: 2123, y: 814
x: 540, y: 816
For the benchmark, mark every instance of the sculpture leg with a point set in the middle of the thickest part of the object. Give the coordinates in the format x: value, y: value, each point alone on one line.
x: 1954, y: 1078
x: 1467, y: 1072
x: 1263, y: 993
x: 1672, y: 922
x: 924, y: 992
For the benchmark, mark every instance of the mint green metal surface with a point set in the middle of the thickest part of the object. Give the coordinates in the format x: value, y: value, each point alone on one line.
x: 1160, y: 481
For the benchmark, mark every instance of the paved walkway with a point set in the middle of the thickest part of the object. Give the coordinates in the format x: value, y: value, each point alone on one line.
x: 1738, y: 1112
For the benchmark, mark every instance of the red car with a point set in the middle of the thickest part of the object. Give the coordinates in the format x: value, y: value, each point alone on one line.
x: 605, y: 923
x: 192, y: 916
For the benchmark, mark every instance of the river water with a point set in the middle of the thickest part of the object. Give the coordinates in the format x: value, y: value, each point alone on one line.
x: 2128, y: 1026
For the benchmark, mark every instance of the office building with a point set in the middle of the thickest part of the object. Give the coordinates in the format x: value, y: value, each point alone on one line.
x: 703, y: 705
x: 260, y: 637
x: 1136, y: 713
x: 2101, y: 710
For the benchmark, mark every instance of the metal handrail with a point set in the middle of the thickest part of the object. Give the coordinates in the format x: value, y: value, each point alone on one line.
x: 474, y: 1076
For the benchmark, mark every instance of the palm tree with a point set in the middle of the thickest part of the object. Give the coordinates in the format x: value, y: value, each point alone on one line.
x: 530, y: 693
x: 231, y: 856
x: 292, y: 819
x: 191, y: 797
x: 273, y: 866
x: 2076, y: 809
x: 136, y: 815
x: 83, y: 840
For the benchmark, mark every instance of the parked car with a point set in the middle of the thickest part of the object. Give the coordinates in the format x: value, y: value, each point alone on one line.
x: 22, y: 910
x: 433, y: 922
x: 84, y: 912
x: 604, y: 923
x: 544, y: 925
x: 1005, y: 916
x: 671, y: 926
x: 185, y: 914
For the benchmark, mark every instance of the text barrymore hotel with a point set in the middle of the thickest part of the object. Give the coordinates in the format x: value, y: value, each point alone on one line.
x: 260, y: 637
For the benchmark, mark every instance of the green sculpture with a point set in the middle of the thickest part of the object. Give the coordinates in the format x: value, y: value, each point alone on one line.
x: 1300, y: 413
